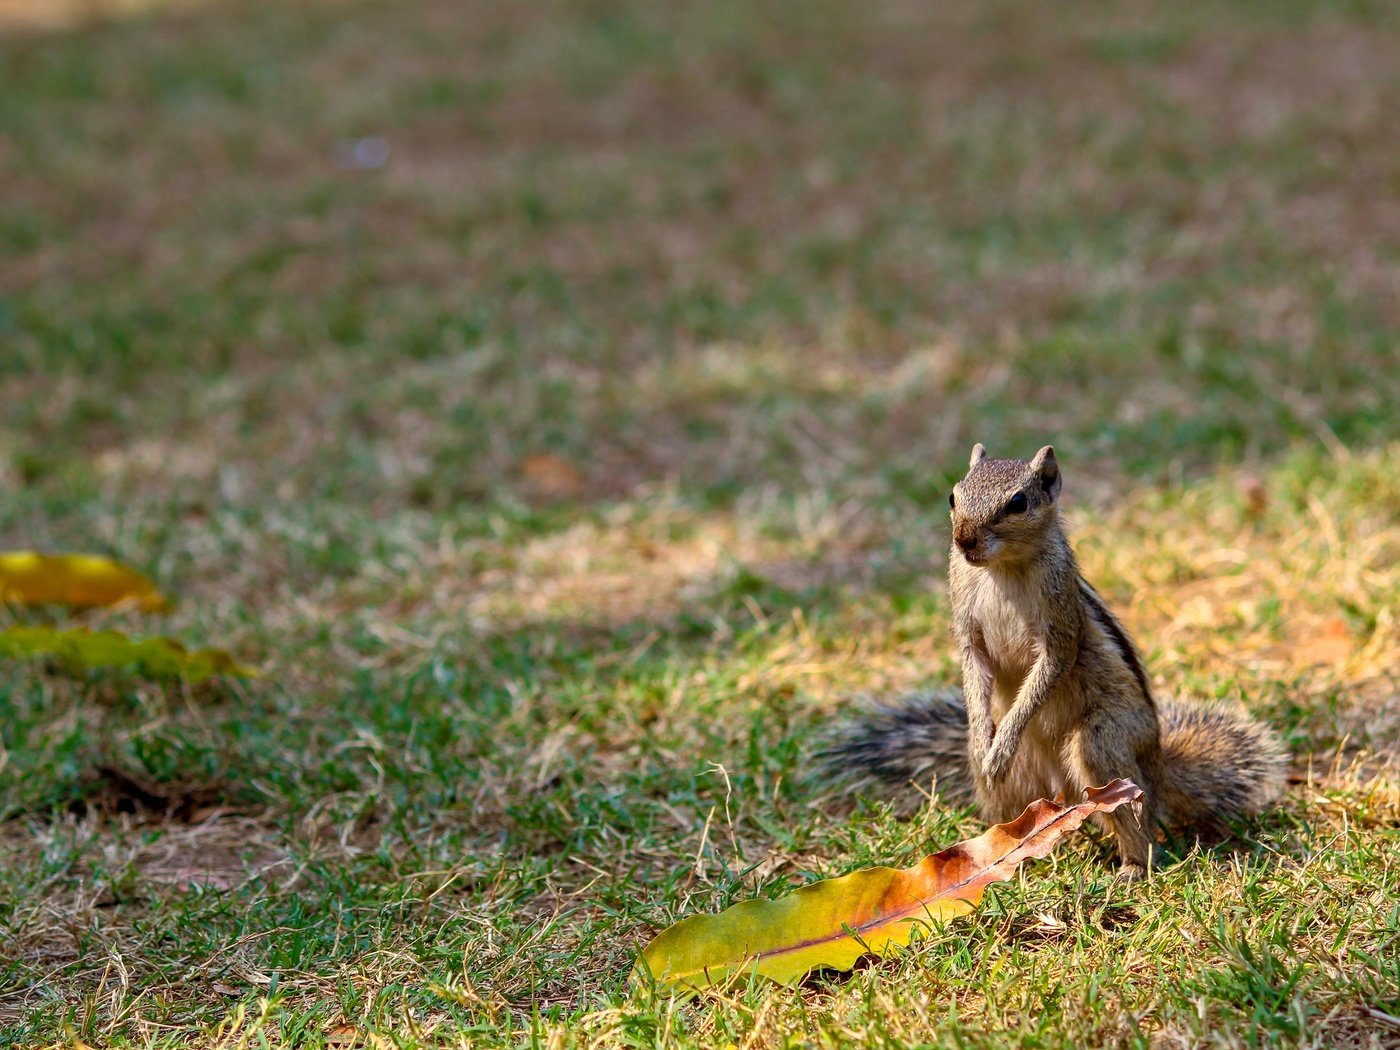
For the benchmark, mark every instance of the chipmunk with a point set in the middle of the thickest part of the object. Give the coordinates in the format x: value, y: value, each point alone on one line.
x: 1055, y: 697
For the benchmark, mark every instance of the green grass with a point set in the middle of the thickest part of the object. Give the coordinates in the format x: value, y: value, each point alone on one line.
x: 568, y: 475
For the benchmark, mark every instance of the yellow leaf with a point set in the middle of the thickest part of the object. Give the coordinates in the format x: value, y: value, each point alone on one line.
x: 30, y: 578
x: 157, y: 657
x: 831, y: 924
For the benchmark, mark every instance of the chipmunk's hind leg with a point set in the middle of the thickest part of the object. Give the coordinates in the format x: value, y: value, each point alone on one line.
x: 1093, y: 758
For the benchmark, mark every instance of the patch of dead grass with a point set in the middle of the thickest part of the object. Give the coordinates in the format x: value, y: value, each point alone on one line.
x: 120, y: 871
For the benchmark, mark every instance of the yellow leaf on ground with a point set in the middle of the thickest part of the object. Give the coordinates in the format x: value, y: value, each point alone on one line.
x: 84, y: 580
x: 831, y: 924
x: 83, y: 650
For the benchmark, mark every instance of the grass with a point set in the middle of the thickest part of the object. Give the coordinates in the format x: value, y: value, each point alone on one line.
x: 568, y: 472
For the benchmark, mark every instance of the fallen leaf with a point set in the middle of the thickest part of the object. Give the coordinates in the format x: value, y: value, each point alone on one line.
x: 1329, y: 646
x: 831, y: 924
x: 551, y: 476
x: 83, y: 649
x: 1256, y: 496
x: 82, y: 580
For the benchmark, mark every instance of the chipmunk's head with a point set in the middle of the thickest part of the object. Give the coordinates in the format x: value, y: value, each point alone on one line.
x: 1003, y: 509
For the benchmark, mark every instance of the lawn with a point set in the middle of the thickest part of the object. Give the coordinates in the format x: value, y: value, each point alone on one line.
x: 558, y: 403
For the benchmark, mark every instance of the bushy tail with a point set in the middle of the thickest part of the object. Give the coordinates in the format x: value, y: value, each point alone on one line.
x: 919, y: 739
x: 1220, y: 764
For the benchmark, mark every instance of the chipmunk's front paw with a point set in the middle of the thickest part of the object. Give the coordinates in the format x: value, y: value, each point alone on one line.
x: 981, y: 737
x: 998, y: 761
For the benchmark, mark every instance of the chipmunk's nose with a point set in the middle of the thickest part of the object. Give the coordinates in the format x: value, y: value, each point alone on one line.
x: 966, y: 539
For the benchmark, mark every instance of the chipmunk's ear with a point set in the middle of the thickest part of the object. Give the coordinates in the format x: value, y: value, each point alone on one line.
x: 979, y: 453
x: 1046, y: 472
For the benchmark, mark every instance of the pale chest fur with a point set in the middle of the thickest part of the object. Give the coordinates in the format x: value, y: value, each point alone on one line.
x: 1006, y: 610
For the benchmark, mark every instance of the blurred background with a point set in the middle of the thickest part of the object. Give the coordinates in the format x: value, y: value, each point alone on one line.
x: 450, y: 254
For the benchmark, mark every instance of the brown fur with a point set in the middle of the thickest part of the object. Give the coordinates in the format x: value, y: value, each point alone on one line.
x: 1055, y: 696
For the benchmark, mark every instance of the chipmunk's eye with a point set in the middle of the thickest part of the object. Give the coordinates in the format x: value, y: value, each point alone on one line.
x: 952, y: 499
x: 1016, y: 504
